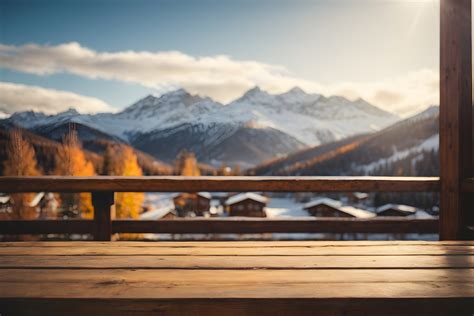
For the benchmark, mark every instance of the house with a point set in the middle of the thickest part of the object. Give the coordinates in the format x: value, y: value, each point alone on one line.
x: 396, y: 210
x: 192, y: 203
x: 46, y: 205
x: 6, y: 206
x: 247, y: 204
x: 326, y: 207
x: 159, y: 213
x: 357, y: 197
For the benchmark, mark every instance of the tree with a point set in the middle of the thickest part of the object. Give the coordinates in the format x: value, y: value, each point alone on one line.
x: 120, y: 160
x: 71, y: 161
x: 186, y: 164
x: 21, y: 161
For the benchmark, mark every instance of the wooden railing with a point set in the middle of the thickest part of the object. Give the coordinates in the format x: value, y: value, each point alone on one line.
x: 102, y: 188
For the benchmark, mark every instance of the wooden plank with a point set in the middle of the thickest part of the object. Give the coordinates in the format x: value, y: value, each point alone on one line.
x: 234, y: 284
x: 102, y: 227
x: 102, y: 202
x: 237, y: 307
x: 257, y: 251
x: 238, y: 244
x: 47, y: 226
x: 467, y: 185
x: 297, y: 225
x: 455, y: 113
x: 218, y: 184
x: 239, y: 262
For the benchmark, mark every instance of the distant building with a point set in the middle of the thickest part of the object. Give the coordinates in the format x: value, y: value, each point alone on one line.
x: 159, y: 213
x: 357, y: 197
x: 247, y: 204
x: 6, y: 206
x: 46, y: 205
x: 187, y: 204
x: 326, y: 207
x: 396, y: 210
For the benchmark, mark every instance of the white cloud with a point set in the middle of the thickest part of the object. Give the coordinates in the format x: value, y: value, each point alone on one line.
x: 18, y: 97
x: 219, y: 77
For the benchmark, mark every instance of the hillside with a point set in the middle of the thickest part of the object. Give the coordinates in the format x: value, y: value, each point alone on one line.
x: 46, y: 150
x: 405, y: 148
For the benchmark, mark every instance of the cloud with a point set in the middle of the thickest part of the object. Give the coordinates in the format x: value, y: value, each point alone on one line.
x: 219, y: 77
x: 18, y: 97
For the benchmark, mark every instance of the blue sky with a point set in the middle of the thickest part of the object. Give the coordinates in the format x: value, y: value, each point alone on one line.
x: 375, y: 49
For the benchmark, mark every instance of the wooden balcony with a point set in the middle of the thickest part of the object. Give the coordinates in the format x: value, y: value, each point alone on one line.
x: 264, y: 278
x: 232, y: 278
x: 103, y: 226
x: 237, y: 278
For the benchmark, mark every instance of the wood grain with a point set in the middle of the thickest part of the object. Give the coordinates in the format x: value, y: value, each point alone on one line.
x: 215, y: 284
x: 232, y: 278
x: 217, y: 184
x: 238, y: 262
x: 455, y: 115
x: 132, y: 251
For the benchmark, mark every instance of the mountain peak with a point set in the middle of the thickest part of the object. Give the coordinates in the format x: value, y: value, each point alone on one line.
x: 69, y: 112
x: 296, y: 90
x: 254, y: 92
x: 176, y: 93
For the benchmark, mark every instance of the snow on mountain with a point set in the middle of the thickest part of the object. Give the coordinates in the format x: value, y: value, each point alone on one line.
x: 3, y: 115
x: 310, y: 118
x: 289, y: 120
x: 431, y: 143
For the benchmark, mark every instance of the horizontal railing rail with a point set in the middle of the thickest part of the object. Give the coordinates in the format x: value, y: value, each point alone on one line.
x: 218, y: 184
x: 102, y: 227
x: 234, y: 225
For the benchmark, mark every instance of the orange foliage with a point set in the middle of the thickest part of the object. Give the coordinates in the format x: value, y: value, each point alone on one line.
x: 20, y: 161
x: 120, y: 160
x: 71, y: 161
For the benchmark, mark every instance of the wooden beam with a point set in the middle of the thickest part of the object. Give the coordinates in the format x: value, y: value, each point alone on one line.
x: 254, y: 226
x: 102, y: 202
x: 455, y: 114
x: 467, y: 185
x: 73, y: 226
x: 218, y: 184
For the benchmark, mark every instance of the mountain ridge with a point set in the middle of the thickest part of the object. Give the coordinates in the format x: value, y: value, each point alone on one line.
x: 289, y: 121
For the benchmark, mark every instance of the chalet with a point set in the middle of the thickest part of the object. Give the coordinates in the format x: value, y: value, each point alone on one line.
x: 46, y: 205
x: 159, y: 213
x: 323, y: 207
x: 247, y: 204
x: 192, y: 203
x: 326, y: 207
x: 396, y: 210
x: 6, y: 206
x: 357, y: 197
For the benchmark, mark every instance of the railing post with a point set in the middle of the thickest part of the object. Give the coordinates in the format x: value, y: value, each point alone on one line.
x: 102, y: 202
x: 455, y: 116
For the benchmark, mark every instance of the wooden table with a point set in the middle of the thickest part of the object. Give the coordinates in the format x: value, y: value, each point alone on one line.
x: 237, y: 278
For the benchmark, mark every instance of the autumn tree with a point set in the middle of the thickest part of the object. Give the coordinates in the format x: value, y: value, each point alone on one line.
x: 20, y: 161
x: 121, y: 160
x: 186, y: 164
x: 71, y: 161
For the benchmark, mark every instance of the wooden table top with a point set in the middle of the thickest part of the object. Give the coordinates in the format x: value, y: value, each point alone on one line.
x: 237, y: 277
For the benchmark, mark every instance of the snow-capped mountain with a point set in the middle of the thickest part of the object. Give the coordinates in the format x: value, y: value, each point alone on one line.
x: 255, y: 127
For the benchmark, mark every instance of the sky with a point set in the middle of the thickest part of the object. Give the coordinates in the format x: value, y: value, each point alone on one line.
x: 103, y: 55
